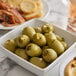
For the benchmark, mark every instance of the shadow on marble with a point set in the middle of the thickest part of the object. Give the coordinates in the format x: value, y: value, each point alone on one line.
x: 10, y: 68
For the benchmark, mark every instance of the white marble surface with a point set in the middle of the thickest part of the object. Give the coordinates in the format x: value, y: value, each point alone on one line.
x: 57, y: 15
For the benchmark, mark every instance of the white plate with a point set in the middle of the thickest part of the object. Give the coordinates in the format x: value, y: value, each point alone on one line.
x: 45, y: 10
x: 67, y: 59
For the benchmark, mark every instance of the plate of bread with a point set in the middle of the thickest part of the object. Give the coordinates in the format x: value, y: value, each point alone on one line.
x: 68, y: 65
x: 16, y: 12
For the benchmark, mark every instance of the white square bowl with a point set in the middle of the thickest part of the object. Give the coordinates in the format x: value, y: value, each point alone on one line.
x: 69, y: 38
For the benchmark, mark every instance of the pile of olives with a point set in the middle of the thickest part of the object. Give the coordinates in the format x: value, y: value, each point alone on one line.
x: 38, y: 45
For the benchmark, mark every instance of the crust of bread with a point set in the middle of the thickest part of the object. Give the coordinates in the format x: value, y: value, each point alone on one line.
x: 39, y: 4
x: 28, y: 6
x: 14, y: 3
x: 4, y: 0
x: 36, y: 14
x: 69, y: 68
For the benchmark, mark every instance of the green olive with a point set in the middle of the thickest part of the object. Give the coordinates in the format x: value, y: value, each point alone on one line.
x: 64, y: 44
x: 39, y: 39
x: 10, y: 45
x: 57, y: 46
x: 38, y: 62
x: 59, y: 38
x: 21, y: 53
x: 50, y: 37
x: 38, y: 29
x: 47, y: 28
x: 49, y: 55
x: 22, y: 40
x: 33, y: 50
x: 45, y: 47
x: 29, y: 31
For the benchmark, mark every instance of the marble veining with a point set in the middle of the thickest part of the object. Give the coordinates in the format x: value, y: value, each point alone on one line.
x: 6, y: 66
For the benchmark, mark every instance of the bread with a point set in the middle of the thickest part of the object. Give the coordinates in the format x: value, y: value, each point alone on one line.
x: 39, y: 4
x: 73, y: 2
x: 70, y: 69
x: 36, y: 14
x: 14, y: 3
x: 4, y: 0
x: 28, y: 6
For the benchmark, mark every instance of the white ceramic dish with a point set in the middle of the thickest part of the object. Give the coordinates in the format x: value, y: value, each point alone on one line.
x: 69, y: 38
x: 67, y: 59
x: 45, y: 10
